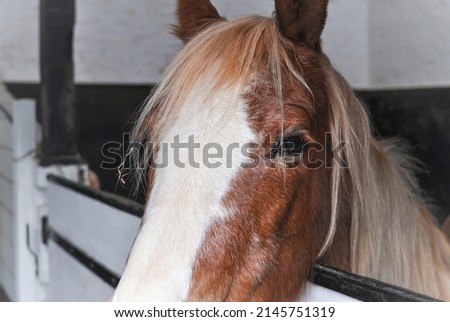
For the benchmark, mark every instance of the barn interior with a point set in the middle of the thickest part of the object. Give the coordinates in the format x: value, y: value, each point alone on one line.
x: 394, y: 53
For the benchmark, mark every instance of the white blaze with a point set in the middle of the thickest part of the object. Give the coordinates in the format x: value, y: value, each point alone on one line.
x: 185, y: 201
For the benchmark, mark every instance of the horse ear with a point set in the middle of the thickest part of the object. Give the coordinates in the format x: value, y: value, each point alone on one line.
x: 193, y: 16
x: 302, y: 20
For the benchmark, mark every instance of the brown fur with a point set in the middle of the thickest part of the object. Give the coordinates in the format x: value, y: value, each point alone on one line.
x: 287, y: 218
x: 302, y: 21
x: 194, y: 16
x: 266, y: 253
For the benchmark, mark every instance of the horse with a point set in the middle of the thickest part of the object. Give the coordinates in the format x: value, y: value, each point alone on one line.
x: 297, y: 177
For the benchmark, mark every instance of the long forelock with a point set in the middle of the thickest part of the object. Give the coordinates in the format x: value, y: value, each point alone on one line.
x: 224, y: 55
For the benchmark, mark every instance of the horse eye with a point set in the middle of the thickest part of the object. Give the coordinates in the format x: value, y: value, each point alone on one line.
x: 291, y: 146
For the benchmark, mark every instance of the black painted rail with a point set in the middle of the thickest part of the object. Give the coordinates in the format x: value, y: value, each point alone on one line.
x: 355, y: 286
x: 363, y: 288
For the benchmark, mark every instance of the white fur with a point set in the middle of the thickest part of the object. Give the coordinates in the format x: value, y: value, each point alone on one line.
x: 185, y: 202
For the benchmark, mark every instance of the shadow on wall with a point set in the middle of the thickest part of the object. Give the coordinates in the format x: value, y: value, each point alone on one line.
x: 103, y: 114
x: 3, y: 297
x: 422, y: 117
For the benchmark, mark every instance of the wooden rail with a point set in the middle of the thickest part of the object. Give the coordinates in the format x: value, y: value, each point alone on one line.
x: 357, y: 287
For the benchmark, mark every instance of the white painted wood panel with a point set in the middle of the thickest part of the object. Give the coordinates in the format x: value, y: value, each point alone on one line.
x: 6, y: 250
x: 24, y: 128
x: 5, y: 132
x: 6, y: 238
x: 2, y: 265
x: 6, y: 164
x: 72, y: 282
x: 101, y: 231
x: 25, y: 198
x: 6, y: 232
x: 6, y: 195
x: 6, y: 258
x: 6, y: 265
x: 7, y: 278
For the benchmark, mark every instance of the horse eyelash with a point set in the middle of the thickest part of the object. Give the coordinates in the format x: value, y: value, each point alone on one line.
x: 275, y: 148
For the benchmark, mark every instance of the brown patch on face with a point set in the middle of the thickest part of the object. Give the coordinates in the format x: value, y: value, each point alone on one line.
x: 266, y: 250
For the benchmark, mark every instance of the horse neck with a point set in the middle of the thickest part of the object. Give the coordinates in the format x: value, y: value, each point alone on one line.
x: 393, y: 235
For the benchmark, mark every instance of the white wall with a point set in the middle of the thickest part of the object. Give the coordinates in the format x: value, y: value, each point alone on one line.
x: 382, y: 43
x: 346, y: 39
x: 132, y: 43
x: 129, y: 41
x: 19, y: 36
x: 409, y: 43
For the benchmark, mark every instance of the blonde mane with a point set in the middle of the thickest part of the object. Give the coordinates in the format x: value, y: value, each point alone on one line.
x: 393, y: 236
x: 391, y: 226
x: 226, y: 54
